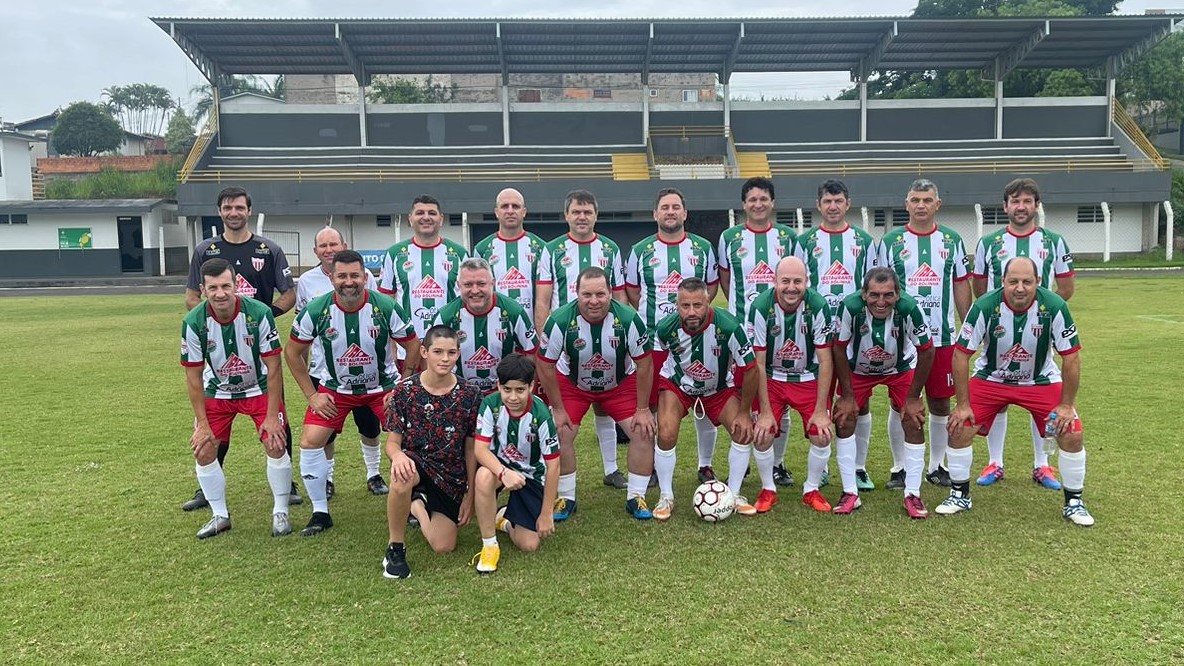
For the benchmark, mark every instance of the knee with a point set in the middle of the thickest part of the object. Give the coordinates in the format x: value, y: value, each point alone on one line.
x: 1071, y: 442
x: 442, y: 545
x: 485, y: 478
x: 528, y: 544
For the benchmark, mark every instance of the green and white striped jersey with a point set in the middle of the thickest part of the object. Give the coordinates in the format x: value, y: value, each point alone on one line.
x: 751, y: 258
x: 1016, y: 346
x: 488, y: 337
x: 596, y: 357
x: 657, y: 267
x: 232, y: 352
x: 570, y: 256
x: 522, y: 442
x: 699, y: 364
x: 882, y: 346
x: 518, y: 265
x: 421, y: 279
x: 836, y: 261
x: 1047, y: 249
x: 928, y: 265
x: 790, y: 340
x: 313, y: 283
x: 359, y: 355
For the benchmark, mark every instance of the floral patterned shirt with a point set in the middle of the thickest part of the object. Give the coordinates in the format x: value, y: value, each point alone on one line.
x: 434, y: 430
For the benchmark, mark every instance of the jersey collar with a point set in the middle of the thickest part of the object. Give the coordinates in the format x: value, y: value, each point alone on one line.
x: 677, y: 242
x: 510, y: 240
x: 758, y: 231
x: 580, y: 242
x: 914, y: 232
x: 238, y: 306
x: 1035, y: 228
x: 824, y: 230
x: 415, y: 242
x: 365, y: 299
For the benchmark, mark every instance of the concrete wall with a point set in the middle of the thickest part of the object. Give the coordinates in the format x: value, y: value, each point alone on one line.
x: 392, y: 128
x: 16, y: 169
x: 558, y: 128
x: 284, y: 129
x: 795, y: 125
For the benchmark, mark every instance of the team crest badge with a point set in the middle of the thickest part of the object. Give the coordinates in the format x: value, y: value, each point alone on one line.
x: 1037, y: 330
x: 817, y: 251
x: 331, y: 333
x: 374, y: 331
x: 999, y: 332
x: 257, y: 263
x: 614, y: 341
x: 446, y: 265
x: 579, y: 343
x: 944, y: 254
x: 904, y: 254
x: 565, y: 261
x: 715, y: 350
x: 501, y: 335
x: 694, y: 261
x: 461, y: 336
x: 603, y: 261
x: 774, y: 330
x: 408, y: 265
x: 654, y: 261
x: 856, y: 251
x: 248, y: 340
x: 742, y: 252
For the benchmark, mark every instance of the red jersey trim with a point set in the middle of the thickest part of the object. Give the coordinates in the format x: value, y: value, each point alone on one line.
x: 238, y: 304
x: 1061, y: 275
x: 543, y: 358
x: 643, y: 355
x: 301, y: 340
x: 745, y: 367
x: 553, y: 456
x: 964, y: 350
x: 1074, y: 350
x: 193, y: 364
x: 580, y: 242
x: 439, y: 242
x: 388, y: 292
x: 365, y: 300
x: 928, y: 345
x: 270, y: 353
x: 965, y: 277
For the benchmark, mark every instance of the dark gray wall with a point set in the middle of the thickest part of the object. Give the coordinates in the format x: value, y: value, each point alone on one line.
x: 1054, y: 122
x: 930, y: 124
x: 60, y: 263
x: 561, y: 128
x: 434, y: 129
x: 680, y: 118
x: 804, y: 126
x: 289, y: 130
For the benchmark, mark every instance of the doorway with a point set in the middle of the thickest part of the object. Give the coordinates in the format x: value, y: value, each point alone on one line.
x: 131, y: 244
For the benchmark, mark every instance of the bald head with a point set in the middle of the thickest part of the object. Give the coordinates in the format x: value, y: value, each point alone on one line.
x: 510, y: 209
x: 326, y: 244
x: 1023, y: 264
x: 791, y: 282
x: 328, y: 232
x: 790, y: 266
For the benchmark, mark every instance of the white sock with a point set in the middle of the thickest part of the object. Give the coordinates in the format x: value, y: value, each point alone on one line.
x: 995, y: 438
x: 939, y: 440
x: 489, y: 541
x: 606, y: 434
x: 372, y: 457
x: 1039, y: 457
x: 960, y: 461
x: 664, y: 468
x: 896, y: 439
x: 1072, y: 470
x: 781, y: 442
x: 764, y: 465
x: 738, y: 455
x: 314, y: 469
x: 213, y: 486
x: 567, y: 486
x: 845, y: 456
x: 816, y: 463
x: 279, y: 477
x: 914, y: 463
x: 332, y: 462
x: 863, y: 439
x: 638, y: 484
x: 706, y: 434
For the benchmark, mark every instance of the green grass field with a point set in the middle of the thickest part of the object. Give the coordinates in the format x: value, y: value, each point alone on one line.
x: 100, y: 566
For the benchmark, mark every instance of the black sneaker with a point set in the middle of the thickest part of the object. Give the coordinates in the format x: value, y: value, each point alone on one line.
x: 197, y: 502
x: 376, y: 485
x: 939, y: 477
x: 782, y: 476
x: 294, y: 495
x: 319, y: 522
x: 706, y: 473
x: 329, y: 490
x: 616, y: 480
x: 394, y: 563
x: 895, y: 480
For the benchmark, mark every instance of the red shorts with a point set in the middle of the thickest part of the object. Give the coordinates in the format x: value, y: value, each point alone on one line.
x: 659, y: 357
x: 713, y: 405
x: 620, y: 402
x: 941, y: 376
x: 345, y: 404
x: 220, y: 412
x: 898, y: 387
x: 801, y: 396
x: 987, y: 399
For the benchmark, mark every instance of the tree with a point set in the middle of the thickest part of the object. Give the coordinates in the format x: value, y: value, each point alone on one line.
x: 86, y: 129
x: 238, y: 84
x: 1153, y: 86
x: 141, y: 107
x: 410, y: 91
x: 180, y: 136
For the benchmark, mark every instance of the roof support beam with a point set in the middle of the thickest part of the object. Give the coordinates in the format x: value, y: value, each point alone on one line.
x: 501, y: 55
x: 645, y: 63
x: 355, y: 64
x: 1116, y: 63
x: 1008, y: 60
x: 207, y: 67
x: 871, y: 61
x: 730, y: 63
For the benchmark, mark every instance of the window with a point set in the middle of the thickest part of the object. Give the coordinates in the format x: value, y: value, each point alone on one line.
x: 530, y: 95
x: 690, y: 95
x: 456, y: 219
x: 18, y: 218
x: 653, y: 92
x: 602, y: 93
x: 898, y: 216
x: 790, y: 218
x: 1089, y: 214
x: 3, y: 219
x: 994, y: 215
x: 383, y: 220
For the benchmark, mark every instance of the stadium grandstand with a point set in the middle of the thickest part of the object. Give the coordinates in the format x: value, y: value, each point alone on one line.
x: 358, y: 164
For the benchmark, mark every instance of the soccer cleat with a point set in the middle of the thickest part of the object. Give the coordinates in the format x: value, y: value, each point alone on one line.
x: 486, y: 560
x: 915, y: 507
x: 319, y: 522
x: 743, y: 508
x: 825, y: 480
x: 895, y: 480
x: 816, y: 501
x: 706, y: 473
x: 863, y: 481
x: 991, y: 474
x: 636, y: 507
x: 766, y: 500
x: 782, y: 476
x: 376, y: 485
x: 198, y: 501
x: 848, y: 503
x: 499, y: 520
x: 220, y: 524
x: 294, y: 496
x: 394, y: 563
x: 329, y: 490
x: 1047, y: 477
x: 664, y: 509
x: 1076, y: 513
x: 564, y: 509
x: 616, y: 480
x: 955, y: 503
x: 939, y: 477
x: 280, y: 526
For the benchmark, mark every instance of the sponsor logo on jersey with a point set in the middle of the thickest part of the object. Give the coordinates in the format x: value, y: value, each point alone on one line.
x: 408, y: 265
x: 513, y: 279
x: 242, y: 287
x: 924, y: 276
x: 566, y: 261
x: 258, y: 263
x: 1069, y: 332
x: 597, y: 363
x: 234, y: 366
x: 512, y: 453
x: 427, y: 288
x: 998, y: 332
x: 331, y: 333
x: 1017, y: 354
x: 966, y: 332
x: 760, y: 274
x: 837, y: 274
x: 905, y: 253
x: 262, y: 249
x: 877, y: 354
x: 213, y: 250
x: 699, y: 372
x: 789, y: 352
x: 354, y: 357
x: 481, y: 360
x: 579, y: 343
x: 184, y: 348
x: 670, y: 284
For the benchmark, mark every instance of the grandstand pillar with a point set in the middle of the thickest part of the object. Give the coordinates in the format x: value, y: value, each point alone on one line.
x: 1105, y: 232
x: 1110, y: 106
x: 465, y: 231
x: 1170, y: 232
x: 863, y: 109
x: 645, y: 113
x: 978, y: 220
x: 362, y: 114
x: 505, y: 114
x: 727, y: 111
x: 866, y: 219
x: 998, y: 108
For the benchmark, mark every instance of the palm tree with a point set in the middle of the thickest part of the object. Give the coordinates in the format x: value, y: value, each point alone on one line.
x: 238, y: 84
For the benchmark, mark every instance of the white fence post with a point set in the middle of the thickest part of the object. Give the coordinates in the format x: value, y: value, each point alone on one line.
x: 1040, y: 221
x: 801, y: 221
x: 866, y: 219
x: 731, y: 217
x: 1171, y: 232
x: 1105, y: 232
x: 259, y: 223
x: 978, y: 224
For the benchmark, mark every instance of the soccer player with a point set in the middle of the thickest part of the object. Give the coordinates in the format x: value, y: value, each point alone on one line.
x: 421, y: 272
x: 354, y: 328
x: 883, y: 339
x: 747, y: 257
x: 1017, y: 327
x: 582, y: 248
x: 489, y: 326
x: 791, y: 336
x: 837, y: 257
x: 598, y: 354
x: 657, y: 266
x: 1048, y: 250
x: 230, y: 349
x: 516, y: 449
x: 432, y: 419
x: 520, y: 260
x: 260, y: 269
x: 326, y: 244
x: 702, y: 342
x: 931, y: 263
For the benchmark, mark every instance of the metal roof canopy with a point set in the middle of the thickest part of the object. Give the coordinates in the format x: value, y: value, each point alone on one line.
x: 363, y: 47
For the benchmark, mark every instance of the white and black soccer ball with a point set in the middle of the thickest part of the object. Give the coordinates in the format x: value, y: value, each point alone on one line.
x: 714, y: 501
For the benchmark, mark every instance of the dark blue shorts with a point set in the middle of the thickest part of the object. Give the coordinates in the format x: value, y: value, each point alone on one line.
x: 525, y: 505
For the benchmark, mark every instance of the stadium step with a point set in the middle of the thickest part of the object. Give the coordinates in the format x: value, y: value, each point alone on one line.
x: 631, y: 166
x: 753, y: 164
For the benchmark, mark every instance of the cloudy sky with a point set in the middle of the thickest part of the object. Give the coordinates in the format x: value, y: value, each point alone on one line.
x: 54, y: 52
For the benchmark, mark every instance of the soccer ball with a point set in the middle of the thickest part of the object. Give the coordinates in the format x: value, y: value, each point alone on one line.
x: 714, y: 502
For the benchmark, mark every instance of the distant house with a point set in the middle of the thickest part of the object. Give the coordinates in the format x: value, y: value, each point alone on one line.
x: 134, y: 145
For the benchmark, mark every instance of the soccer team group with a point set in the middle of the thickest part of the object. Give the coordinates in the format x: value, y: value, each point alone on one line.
x: 481, y: 366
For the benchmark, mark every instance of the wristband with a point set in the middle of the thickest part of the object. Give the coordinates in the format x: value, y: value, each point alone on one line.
x: 500, y: 475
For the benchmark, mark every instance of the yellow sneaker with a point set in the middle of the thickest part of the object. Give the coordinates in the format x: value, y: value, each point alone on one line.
x: 500, y: 522
x: 664, y: 509
x: 743, y: 507
x: 486, y: 560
